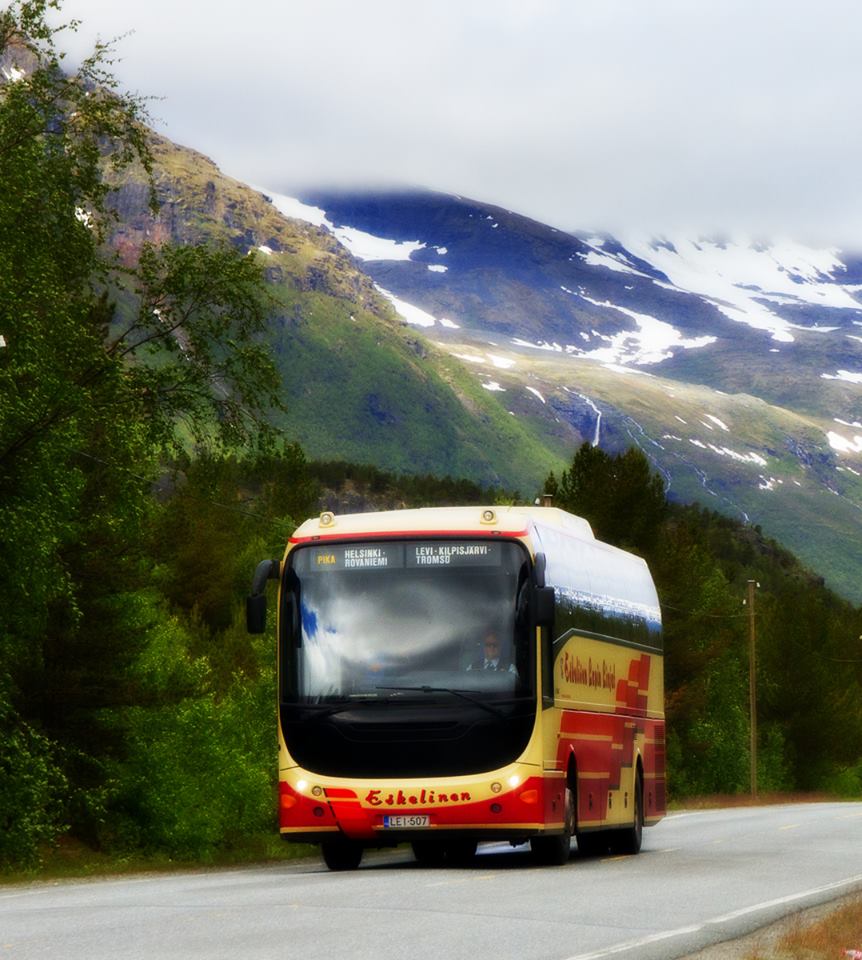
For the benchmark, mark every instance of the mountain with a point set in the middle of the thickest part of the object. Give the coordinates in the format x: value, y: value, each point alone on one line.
x: 360, y: 384
x: 736, y: 364
x: 426, y: 333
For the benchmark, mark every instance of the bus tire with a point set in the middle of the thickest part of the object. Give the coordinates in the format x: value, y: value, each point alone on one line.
x: 629, y: 840
x: 554, y: 851
x: 341, y: 853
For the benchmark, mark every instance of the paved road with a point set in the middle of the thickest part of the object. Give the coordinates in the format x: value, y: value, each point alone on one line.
x: 702, y: 877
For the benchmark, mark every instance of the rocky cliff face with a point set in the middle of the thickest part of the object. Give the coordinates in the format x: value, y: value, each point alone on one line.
x: 197, y: 202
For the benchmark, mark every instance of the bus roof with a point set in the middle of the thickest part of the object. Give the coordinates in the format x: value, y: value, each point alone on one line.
x: 503, y: 520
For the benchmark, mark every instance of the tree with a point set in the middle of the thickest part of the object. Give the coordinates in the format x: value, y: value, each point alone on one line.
x: 104, y: 370
x: 620, y: 495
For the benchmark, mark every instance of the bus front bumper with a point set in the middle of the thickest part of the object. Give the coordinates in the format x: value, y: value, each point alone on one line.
x: 511, y: 807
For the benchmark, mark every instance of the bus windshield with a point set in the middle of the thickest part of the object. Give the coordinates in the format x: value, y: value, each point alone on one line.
x: 405, y: 619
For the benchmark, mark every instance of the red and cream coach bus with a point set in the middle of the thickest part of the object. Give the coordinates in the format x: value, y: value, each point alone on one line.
x: 453, y: 675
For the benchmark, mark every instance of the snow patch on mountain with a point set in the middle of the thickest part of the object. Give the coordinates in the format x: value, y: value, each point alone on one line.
x: 651, y: 343
x: 738, y: 275
x: 841, y: 444
x: 846, y: 375
x: 595, y: 259
x: 502, y: 363
x: 413, y: 315
x: 718, y: 422
x: 750, y: 457
x: 363, y: 246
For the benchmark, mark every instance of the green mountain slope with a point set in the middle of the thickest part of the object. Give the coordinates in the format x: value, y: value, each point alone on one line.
x: 359, y: 383
x: 734, y: 453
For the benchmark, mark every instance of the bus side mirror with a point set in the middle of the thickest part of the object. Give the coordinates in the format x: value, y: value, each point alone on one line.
x: 540, y: 564
x: 543, y: 598
x: 255, y: 604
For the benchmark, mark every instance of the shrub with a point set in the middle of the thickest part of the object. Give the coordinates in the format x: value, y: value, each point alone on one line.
x: 31, y: 792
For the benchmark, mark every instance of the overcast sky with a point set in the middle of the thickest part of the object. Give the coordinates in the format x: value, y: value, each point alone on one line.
x: 585, y: 114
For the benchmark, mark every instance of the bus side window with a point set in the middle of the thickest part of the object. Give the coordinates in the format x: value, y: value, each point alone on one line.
x: 521, y: 634
x: 290, y: 636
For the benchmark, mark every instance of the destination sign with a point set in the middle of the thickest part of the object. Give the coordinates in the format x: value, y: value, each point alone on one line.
x: 361, y: 556
x: 395, y: 556
x: 453, y: 554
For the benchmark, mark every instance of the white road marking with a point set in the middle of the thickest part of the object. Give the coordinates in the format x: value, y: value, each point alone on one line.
x: 789, y: 899
x: 696, y: 928
x: 640, y: 942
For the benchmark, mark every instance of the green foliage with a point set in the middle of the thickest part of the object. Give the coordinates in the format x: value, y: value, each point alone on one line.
x: 382, y: 489
x: 621, y: 497
x: 194, y: 348
x: 92, y: 397
x: 845, y: 782
x: 198, y: 776
x: 30, y: 785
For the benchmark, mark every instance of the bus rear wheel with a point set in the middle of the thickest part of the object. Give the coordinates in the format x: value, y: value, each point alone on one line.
x: 554, y: 851
x: 341, y: 853
x: 629, y: 840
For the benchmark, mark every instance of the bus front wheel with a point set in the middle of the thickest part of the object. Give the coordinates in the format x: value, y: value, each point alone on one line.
x: 554, y: 851
x: 341, y: 853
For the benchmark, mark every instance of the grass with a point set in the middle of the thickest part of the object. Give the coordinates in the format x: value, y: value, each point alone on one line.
x: 725, y: 800
x: 72, y: 860
x: 824, y: 933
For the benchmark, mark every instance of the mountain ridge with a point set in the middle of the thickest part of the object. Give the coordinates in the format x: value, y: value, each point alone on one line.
x: 605, y: 330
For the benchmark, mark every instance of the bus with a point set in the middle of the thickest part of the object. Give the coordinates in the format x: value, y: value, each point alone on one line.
x: 452, y: 675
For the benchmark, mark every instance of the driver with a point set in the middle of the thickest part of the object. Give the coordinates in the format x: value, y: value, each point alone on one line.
x: 492, y: 658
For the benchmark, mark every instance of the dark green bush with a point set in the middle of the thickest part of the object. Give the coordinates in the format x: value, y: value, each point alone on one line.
x: 32, y: 792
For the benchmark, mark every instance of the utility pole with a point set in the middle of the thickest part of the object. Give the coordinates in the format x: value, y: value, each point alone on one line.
x: 752, y: 686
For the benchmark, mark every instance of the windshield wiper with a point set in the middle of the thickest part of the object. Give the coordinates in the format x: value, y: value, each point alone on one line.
x: 454, y: 693
x: 323, y: 710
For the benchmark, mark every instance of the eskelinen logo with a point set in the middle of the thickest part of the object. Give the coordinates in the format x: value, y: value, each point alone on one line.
x: 379, y: 798
x: 590, y: 674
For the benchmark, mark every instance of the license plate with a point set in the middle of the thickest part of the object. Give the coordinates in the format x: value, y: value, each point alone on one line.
x: 408, y: 820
